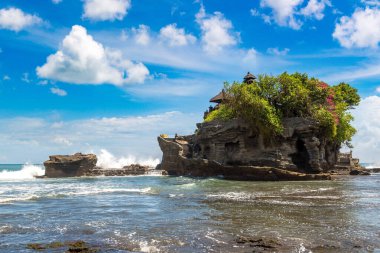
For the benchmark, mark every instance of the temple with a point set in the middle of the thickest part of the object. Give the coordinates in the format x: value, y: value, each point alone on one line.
x: 234, y: 150
x: 221, y: 96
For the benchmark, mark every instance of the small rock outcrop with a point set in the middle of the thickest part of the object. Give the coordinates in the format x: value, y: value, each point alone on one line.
x: 69, y: 165
x: 79, y: 164
x: 129, y: 170
x: 233, y: 150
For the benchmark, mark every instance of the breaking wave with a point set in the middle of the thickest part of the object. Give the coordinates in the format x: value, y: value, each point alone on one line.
x: 107, y: 160
x: 28, y: 171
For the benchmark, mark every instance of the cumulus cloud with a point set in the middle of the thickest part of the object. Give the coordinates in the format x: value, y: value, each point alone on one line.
x: 284, y: 11
x: 367, y: 122
x: 101, y: 10
x: 82, y: 60
x: 141, y: 35
x: 290, y: 13
x: 56, y: 1
x: 217, y: 31
x: 59, y: 92
x: 378, y: 89
x: 360, y: 30
x: 176, y: 36
x: 16, y: 20
x: 315, y: 9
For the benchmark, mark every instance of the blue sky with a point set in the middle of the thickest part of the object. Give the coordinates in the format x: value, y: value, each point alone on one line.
x: 113, y: 74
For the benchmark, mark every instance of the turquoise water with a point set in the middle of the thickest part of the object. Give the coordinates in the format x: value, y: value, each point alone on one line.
x: 177, y: 214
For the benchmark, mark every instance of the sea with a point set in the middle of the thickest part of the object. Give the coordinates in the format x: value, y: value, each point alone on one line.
x: 155, y: 213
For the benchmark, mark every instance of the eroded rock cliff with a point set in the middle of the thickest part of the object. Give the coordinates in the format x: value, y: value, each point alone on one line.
x: 234, y: 150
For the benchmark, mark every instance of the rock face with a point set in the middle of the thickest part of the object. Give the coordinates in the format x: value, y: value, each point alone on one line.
x: 130, y: 170
x: 232, y: 149
x: 69, y: 165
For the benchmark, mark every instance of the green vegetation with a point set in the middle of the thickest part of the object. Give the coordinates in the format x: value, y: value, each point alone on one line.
x: 264, y: 103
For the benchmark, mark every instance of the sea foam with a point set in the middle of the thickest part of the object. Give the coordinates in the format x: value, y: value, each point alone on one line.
x: 28, y: 171
x: 107, y: 160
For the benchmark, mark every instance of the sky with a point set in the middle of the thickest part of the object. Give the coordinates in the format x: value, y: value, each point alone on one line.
x: 93, y: 75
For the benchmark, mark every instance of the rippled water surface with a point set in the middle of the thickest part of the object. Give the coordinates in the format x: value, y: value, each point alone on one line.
x: 169, y: 214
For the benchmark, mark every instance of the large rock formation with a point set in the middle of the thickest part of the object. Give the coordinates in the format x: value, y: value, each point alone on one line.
x: 234, y: 150
x: 69, y: 165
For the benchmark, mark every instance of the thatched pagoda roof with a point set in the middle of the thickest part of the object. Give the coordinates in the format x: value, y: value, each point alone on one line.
x: 219, y: 98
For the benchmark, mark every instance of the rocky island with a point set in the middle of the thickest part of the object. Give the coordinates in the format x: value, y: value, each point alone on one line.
x: 289, y: 127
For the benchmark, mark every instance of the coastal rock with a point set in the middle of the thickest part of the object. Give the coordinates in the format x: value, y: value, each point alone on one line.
x: 175, y: 162
x: 129, y: 170
x: 235, y: 151
x: 69, y: 165
x: 360, y: 172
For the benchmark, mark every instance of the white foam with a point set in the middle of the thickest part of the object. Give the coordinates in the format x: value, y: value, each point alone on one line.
x: 28, y: 171
x: 107, y: 160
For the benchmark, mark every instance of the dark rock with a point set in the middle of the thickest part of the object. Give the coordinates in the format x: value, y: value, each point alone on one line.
x: 76, y: 246
x: 129, y: 170
x: 35, y: 246
x: 259, y: 244
x: 361, y: 172
x: 69, y: 165
x: 233, y: 150
x: 374, y: 170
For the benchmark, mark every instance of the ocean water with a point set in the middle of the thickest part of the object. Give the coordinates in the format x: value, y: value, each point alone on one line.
x: 178, y: 214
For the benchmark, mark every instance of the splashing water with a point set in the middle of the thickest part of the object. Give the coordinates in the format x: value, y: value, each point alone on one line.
x: 28, y: 171
x: 108, y: 160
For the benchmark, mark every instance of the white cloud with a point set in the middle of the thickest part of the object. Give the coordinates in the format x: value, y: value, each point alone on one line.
x: 378, y: 89
x: 277, y: 51
x: 106, y: 10
x: 176, y: 36
x: 251, y: 56
x: 141, y: 35
x: 58, y: 91
x: 217, y: 31
x: 356, y: 72
x: 290, y: 13
x: 367, y: 122
x: 315, y: 9
x: 6, y: 78
x: 255, y: 12
x: 122, y: 136
x: 82, y: 60
x: 56, y: 1
x: 25, y: 78
x: 360, y: 30
x: 62, y: 141
x: 16, y: 20
x: 284, y: 12
x: 371, y: 2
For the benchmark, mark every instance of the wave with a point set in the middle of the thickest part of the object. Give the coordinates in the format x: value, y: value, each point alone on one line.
x: 78, y: 192
x: 107, y: 160
x: 28, y: 171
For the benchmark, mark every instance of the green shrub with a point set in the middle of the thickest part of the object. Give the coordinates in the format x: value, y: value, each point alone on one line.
x: 264, y: 103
